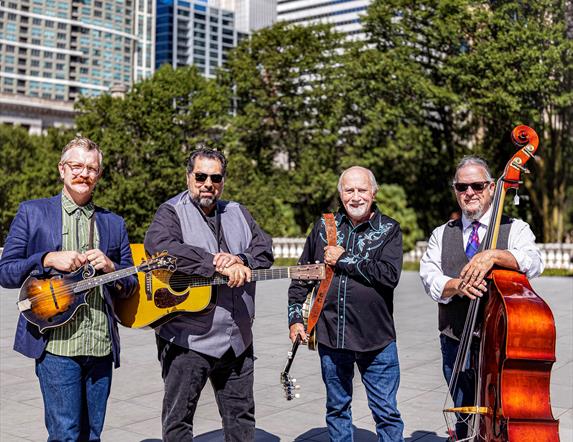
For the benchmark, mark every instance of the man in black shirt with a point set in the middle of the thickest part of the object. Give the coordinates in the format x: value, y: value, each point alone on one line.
x: 356, y: 324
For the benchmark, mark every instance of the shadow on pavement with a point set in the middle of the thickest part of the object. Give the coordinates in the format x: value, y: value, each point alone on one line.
x: 425, y: 436
x: 321, y: 434
x: 217, y: 436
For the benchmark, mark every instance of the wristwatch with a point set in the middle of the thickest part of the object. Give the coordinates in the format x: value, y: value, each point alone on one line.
x: 243, y: 258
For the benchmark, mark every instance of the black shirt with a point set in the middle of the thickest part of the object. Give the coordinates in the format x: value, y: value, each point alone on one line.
x: 357, y: 313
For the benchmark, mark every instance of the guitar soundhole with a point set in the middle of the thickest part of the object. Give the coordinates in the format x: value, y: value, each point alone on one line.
x: 165, y: 299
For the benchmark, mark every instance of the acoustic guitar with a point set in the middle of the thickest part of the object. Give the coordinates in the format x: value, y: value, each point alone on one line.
x: 52, y: 301
x: 164, y: 294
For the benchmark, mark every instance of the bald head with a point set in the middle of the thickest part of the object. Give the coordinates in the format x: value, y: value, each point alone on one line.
x: 355, y: 169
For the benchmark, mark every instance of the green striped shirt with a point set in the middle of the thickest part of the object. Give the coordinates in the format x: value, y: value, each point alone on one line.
x: 87, y: 333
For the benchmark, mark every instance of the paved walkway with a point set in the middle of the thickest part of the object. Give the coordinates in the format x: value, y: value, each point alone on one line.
x: 134, y: 407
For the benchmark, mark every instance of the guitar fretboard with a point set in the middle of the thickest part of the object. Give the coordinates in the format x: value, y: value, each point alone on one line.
x: 256, y: 275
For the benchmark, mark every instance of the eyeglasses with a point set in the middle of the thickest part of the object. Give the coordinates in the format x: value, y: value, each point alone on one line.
x: 476, y: 187
x: 202, y: 177
x: 78, y: 168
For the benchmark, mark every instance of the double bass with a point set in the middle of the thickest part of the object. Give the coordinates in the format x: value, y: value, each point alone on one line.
x: 508, y: 341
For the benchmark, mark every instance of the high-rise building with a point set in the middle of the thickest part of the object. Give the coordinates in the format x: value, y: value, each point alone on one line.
x: 53, y: 51
x: 250, y: 15
x: 344, y: 15
x: 202, y: 32
x: 194, y: 33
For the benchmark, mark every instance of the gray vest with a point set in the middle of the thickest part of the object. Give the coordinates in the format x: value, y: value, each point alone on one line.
x: 229, y: 324
x: 452, y: 316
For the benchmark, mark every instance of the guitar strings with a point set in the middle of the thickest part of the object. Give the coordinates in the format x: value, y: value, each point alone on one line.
x: 192, y: 281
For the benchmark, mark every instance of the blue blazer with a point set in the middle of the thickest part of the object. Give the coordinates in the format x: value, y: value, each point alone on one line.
x: 37, y: 230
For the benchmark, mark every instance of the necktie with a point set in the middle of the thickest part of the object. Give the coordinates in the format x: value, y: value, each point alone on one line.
x: 473, y: 241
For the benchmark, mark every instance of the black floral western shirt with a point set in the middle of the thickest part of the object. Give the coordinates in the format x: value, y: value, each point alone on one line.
x: 357, y: 313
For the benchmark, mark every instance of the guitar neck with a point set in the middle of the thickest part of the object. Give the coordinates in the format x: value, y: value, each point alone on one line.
x: 90, y: 283
x: 256, y: 275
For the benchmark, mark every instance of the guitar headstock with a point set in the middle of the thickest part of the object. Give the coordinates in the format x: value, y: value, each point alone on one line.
x: 160, y: 261
x: 308, y: 272
x: 289, y: 386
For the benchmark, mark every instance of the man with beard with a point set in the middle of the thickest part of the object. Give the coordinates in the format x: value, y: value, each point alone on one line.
x: 356, y: 324
x: 63, y: 234
x: 208, y: 235
x: 454, y: 266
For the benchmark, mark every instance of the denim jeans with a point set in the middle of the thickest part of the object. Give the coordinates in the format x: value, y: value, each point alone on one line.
x: 185, y: 372
x: 464, y: 392
x: 380, y: 372
x: 75, y: 392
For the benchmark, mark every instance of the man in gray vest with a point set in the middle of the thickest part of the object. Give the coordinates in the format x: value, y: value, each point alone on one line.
x: 208, y: 235
x: 454, y: 266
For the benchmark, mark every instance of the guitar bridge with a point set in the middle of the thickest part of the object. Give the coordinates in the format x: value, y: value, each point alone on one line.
x: 24, y: 305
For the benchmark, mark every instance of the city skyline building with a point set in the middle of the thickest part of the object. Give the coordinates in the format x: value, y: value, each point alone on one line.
x: 250, y: 15
x: 51, y: 52
x: 203, y: 32
x: 344, y: 15
x: 194, y: 33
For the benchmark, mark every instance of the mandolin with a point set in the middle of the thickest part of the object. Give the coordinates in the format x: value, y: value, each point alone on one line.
x: 165, y: 294
x: 52, y: 301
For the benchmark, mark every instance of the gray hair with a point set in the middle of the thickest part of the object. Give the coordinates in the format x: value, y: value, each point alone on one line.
x: 371, y: 176
x: 83, y: 143
x: 472, y: 160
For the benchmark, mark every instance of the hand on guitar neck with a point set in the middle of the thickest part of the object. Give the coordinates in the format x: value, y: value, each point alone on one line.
x: 297, y: 329
x: 70, y: 261
x: 238, y: 274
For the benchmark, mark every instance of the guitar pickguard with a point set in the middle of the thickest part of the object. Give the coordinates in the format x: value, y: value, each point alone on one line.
x: 164, y: 298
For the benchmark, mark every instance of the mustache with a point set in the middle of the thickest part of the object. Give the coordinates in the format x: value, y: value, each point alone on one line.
x: 81, y: 180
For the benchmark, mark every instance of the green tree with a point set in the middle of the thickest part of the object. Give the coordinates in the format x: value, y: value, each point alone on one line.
x: 28, y: 169
x: 287, y: 83
x: 392, y: 201
x: 147, y: 136
x: 519, y: 70
x: 408, y: 114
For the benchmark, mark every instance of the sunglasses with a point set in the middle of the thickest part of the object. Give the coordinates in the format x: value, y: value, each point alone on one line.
x: 476, y: 187
x: 202, y: 177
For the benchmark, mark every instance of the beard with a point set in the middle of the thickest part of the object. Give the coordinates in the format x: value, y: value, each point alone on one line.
x: 474, y: 215
x: 358, y: 212
x: 204, y: 201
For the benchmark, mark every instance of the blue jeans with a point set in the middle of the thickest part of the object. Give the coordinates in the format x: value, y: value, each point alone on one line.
x: 464, y: 393
x: 75, y: 392
x: 380, y: 374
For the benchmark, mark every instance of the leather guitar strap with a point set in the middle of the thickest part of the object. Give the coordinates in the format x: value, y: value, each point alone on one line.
x: 325, y: 283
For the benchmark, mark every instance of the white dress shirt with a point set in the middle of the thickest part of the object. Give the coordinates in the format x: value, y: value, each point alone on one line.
x: 521, y: 244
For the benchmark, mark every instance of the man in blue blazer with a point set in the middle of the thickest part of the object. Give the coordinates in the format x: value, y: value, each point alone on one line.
x: 58, y: 235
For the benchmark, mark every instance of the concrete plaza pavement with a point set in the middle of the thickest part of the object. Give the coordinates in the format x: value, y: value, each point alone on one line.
x: 134, y: 408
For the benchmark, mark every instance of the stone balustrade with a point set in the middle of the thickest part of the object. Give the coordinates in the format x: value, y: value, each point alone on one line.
x: 555, y: 255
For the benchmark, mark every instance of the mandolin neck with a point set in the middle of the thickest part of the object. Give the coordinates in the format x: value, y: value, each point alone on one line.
x: 96, y: 281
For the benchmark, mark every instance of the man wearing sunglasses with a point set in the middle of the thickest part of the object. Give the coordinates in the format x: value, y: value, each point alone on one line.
x: 454, y: 266
x: 60, y: 235
x: 208, y: 235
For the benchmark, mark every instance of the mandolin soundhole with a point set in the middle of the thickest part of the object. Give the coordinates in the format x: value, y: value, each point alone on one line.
x: 165, y: 299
